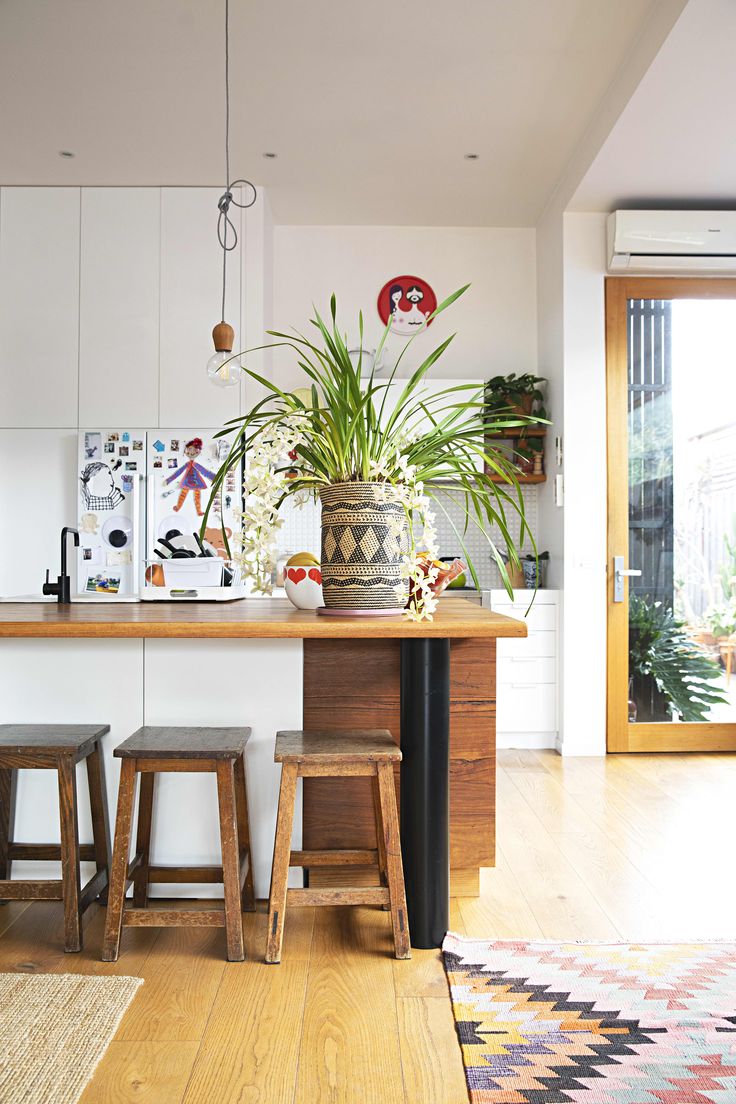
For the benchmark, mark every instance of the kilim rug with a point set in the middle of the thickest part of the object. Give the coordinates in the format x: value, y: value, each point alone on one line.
x: 616, y: 1023
x: 54, y: 1029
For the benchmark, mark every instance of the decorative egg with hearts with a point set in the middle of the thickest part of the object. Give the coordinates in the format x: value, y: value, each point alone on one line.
x: 303, y: 581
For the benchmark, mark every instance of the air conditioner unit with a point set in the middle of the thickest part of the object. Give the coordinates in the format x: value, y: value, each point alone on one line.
x: 672, y: 241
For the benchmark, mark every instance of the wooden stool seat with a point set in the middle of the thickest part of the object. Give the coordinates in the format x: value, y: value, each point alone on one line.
x: 369, y: 752
x: 60, y: 748
x: 152, y: 742
x: 152, y: 750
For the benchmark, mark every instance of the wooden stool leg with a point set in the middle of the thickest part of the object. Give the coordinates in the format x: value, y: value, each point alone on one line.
x: 230, y: 860
x: 143, y: 839
x: 119, y: 867
x: 7, y: 818
x: 381, y: 843
x: 100, y: 818
x: 394, y: 869
x: 248, y: 896
x: 280, y: 868
x: 70, y: 874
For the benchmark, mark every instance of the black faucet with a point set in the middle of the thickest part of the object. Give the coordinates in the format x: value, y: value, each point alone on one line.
x: 62, y: 588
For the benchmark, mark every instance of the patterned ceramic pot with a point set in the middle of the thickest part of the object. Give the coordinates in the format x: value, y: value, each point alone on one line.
x: 364, y: 540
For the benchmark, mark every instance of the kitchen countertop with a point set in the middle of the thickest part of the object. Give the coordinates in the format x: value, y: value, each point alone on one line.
x: 273, y: 618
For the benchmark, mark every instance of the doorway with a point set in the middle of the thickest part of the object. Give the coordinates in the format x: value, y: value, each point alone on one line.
x: 671, y: 382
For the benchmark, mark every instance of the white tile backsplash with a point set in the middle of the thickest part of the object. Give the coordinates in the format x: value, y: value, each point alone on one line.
x: 300, y: 531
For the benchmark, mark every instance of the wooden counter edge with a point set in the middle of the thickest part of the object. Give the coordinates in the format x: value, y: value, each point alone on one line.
x: 117, y: 622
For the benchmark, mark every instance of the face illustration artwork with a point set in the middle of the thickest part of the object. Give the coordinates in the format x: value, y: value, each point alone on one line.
x: 406, y: 304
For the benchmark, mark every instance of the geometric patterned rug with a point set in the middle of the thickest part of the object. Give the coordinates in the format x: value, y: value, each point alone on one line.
x: 592, y: 1023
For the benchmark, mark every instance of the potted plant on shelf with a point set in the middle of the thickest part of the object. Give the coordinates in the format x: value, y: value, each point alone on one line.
x: 670, y: 676
x: 373, y: 467
x: 514, y: 394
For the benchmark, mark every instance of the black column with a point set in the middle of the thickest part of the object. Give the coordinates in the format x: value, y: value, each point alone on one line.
x: 425, y: 787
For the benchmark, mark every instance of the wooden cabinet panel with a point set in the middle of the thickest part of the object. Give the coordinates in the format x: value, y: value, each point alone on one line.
x: 356, y: 684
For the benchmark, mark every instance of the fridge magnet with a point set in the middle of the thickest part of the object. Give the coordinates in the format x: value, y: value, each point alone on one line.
x: 174, y: 444
x: 126, y: 437
x: 117, y: 532
x: 92, y: 446
x: 117, y: 464
x: 137, y: 446
x: 407, y: 303
x: 119, y: 558
x: 124, y: 450
x: 126, y: 483
x: 158, y: 462
x: 113, y: 437
x: 103, y: 584
x: 194, y: 476
x: 86, y: 553
x: 159, y: 446
x: 88, y: 523
x: 109, y: 446
x: 98, y: 487
x: 172, y: 462
x: 131, y: 465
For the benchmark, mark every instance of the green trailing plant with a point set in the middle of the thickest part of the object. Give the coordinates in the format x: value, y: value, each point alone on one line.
x: 344, y: 430
x: 662, y: 653
x: 509, y: 392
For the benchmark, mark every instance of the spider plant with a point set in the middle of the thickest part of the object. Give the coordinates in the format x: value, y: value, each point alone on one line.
x: 349, y: 432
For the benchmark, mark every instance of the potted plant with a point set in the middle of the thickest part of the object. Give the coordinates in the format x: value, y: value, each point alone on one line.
x: 669, y: 674
x: 514, y: 394
x: 373, y: 469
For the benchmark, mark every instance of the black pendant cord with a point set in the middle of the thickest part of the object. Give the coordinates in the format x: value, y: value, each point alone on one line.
x: 224, y: 222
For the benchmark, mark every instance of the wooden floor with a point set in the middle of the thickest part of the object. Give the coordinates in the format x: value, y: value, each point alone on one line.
x: 631, y: 847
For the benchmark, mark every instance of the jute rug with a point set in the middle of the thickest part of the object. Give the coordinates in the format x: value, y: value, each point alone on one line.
x: 619, y: 1023
x: 54, y: 1029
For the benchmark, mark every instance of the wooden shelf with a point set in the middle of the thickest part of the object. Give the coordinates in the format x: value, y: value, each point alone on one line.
x: 521, y: 478
x: 513, y: 432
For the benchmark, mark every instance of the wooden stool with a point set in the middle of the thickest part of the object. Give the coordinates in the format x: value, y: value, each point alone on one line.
x: 146, y: 752
x: 59, y: 748
x: 337, y: 754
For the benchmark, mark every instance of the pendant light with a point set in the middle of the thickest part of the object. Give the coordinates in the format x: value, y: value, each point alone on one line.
x: 222, y: 368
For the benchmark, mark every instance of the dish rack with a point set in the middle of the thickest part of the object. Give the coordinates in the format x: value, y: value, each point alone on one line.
x: 197, y: 579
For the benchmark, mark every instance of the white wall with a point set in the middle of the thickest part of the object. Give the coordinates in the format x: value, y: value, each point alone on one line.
x: 585, y: 510
x: 495, y: 320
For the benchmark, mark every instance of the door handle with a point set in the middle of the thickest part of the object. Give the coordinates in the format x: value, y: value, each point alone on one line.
x: 619, y: 574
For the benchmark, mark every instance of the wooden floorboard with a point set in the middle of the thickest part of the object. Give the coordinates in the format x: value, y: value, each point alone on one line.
x: 628, y: 847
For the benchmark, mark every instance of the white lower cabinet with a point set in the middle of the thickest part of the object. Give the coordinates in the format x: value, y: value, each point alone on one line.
x: 526, y: 673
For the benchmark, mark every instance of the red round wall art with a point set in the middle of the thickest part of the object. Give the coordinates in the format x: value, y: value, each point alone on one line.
x: 407, y: 301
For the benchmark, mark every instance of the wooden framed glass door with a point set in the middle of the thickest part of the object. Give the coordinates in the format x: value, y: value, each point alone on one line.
x: 671, y: 382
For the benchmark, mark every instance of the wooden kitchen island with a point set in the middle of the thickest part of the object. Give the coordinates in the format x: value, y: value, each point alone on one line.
x: 433, y: 684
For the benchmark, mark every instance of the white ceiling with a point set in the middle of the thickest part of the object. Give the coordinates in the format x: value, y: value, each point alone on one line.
x: 673, y: 144
x: 369, y: 105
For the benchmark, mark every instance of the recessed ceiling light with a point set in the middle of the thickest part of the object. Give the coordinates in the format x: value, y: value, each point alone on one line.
x: 66, y: 154
x: 271, y: 156
x: 471, y: 156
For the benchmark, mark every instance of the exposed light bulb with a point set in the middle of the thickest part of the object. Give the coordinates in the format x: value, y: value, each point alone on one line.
x: 223, y: 368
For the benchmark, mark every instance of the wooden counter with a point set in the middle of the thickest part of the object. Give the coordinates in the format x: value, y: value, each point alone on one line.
x: 270, y: 618
x: 351, y: 679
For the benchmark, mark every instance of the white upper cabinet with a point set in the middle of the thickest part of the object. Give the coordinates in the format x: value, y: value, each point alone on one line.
x: 191, y: 282
x: 39, y: 301
x: 119, y: 306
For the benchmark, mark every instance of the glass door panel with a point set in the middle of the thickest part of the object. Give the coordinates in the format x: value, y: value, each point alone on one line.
x: 674, y: 571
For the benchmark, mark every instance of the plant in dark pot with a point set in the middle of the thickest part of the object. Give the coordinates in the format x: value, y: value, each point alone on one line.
x: 670, y: 675
x: 374, y: 464
x: 514, y: 394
